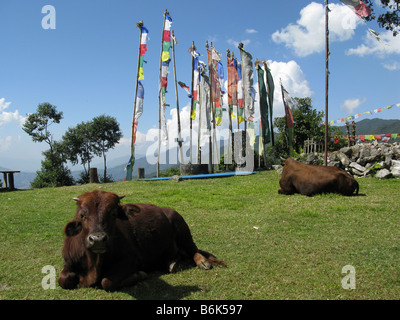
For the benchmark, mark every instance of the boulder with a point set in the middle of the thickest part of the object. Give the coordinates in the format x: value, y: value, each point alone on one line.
x: 343, y: 158
x: 383, y: 174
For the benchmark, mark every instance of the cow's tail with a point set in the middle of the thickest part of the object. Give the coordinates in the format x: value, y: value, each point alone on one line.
x: 357, y: 187
x: 212, y: 259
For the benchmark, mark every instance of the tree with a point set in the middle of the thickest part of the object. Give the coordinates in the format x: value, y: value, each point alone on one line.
x: 105, y: 133
x: 390, y: 20
x: 53, y: 172
x: 37, y: 124
x: 308, y: 124
x: 78, y: 144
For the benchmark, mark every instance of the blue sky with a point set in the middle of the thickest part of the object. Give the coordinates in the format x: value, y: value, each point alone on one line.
x: 86, y: 66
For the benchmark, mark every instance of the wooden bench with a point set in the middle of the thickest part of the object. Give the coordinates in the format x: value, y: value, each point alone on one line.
x: 8, y: 175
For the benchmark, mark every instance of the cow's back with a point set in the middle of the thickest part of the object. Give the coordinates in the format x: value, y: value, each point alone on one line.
x: 309, y: 179
x: 150, y: 235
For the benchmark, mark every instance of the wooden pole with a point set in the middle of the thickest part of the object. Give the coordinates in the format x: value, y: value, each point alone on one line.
x: 192, y: 48
x: 210, y: 156
x: 327, y: 53
x: 173, y: 40
x: 230, y: 137
x: 160, y: 104
x: 139, y: 25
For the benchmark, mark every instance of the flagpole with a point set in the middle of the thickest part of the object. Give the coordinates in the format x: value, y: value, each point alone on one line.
x: 139, y: 25
x: 230, y: 137
x: 210, y: 156
x: 173, y: 40
x: 327, y: 53
x: 193, y: 48
x: 160, y: 99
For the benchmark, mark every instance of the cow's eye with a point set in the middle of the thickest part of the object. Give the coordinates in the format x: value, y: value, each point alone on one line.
x: 82, y: 215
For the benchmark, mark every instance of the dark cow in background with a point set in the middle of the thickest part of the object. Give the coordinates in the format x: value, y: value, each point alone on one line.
x: 112, y: 245
x: 310, y: 179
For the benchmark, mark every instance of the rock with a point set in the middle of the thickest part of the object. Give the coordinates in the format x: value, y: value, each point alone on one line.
x: 383, y: 174
x: 396, y: 172
x: 356, y: 166
x: 278, y: 168
x: 334, y: 164
x: 343, y: 158
x: 347, y: 151
x: 176, y: 178
x: 395, y: 168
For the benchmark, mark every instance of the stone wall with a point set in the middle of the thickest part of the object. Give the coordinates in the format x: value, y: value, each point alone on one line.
x: 381, y: 160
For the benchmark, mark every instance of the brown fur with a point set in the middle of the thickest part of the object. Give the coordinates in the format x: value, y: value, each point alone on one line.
x: 136, y: 238
x: 309, y: 179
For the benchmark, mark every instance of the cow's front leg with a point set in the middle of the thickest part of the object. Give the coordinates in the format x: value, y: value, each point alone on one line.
x: 68, y: 279
x: 115, y: 282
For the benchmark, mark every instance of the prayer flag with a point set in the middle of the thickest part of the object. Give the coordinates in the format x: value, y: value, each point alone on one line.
x: 247, y: 77
x: 165, y: 60
x: 358, y: 7
x: 186, y: 88
x: 265, y: 130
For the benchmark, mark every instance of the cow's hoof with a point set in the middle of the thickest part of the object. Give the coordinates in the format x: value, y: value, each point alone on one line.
x: 172, y: 267
x: 205, y: 265
x: 107, y: 284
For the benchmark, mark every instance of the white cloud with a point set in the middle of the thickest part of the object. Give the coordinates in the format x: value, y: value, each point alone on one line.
x: 7, y: 117
x: 387, y: 45
x: 393, y: 66
x: 293, y: 80
x: 5, y: 143
x: 251, y: 31
x: 307, y: 35
x: 350, y: 104
x: 236, y: 43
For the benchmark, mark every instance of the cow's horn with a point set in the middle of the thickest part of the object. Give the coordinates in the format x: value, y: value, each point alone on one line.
x: 282, y: 158
x: 76, y: 199
x: 121, y: 197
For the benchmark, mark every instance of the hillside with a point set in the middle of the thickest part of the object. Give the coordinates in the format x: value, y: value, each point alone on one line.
x: 375, y: 126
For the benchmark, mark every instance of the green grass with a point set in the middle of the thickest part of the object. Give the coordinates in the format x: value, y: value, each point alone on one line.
x: 276, y: 246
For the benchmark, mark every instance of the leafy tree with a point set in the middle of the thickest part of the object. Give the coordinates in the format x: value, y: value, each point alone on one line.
x: 78, y: 145
x: 105, y: 133
x: 37, y: 124
x: 308, y: 124
x: 390, y: 20
x: 53, y: 172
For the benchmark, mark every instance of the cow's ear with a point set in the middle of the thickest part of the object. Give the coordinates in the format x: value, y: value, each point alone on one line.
x: 72, y: 228
x: 126, y: 210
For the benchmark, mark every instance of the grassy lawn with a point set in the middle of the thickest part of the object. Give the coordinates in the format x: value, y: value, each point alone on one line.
x: 276, y: 246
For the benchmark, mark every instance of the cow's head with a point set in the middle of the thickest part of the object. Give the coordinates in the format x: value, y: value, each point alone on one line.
x: 95, y: 219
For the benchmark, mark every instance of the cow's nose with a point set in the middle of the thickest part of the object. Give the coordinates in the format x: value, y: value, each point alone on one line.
x: 97, y: 237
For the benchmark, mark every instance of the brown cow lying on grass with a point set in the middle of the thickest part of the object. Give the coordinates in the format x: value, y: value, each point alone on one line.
x: 310, y: 179
x: 112, y: 245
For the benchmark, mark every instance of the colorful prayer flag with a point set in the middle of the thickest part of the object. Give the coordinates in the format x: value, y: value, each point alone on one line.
x: 186, y: 88
x: 216, y: 71
x: 358, y: 7
x: 139, y: 96
x: 165, y: 60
